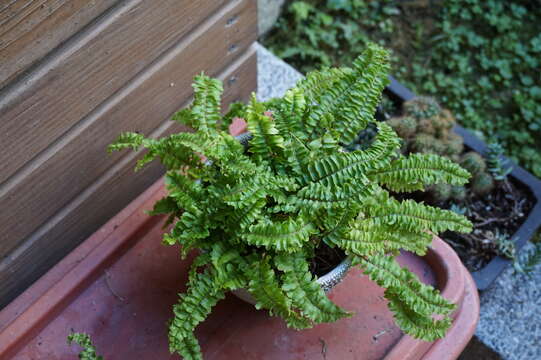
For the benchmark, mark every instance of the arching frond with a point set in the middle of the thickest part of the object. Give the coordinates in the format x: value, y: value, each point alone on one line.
x: 417, y: 171
x: 288, y: 235
x: 304, y: 293
x: 412, y: 303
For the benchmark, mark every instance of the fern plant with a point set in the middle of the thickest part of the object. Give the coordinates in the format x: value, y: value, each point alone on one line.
x: 259, y: 213
x: 84, y: 341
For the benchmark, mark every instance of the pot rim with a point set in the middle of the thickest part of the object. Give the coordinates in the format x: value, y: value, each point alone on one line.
x: 333, y: 277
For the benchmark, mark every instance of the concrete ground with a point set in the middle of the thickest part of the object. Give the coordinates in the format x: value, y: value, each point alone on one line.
x: 510, y: 324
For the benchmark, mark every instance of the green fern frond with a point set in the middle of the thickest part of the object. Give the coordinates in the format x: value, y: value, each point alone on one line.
x: 344, y: 167
x: 353, y: 98
x: 419, y: 326
x: 193, y: 307
x: 165, y: 205
x: 289, y: 114
x: 303, y: 292
x: 412, y: 302
x: 266, y: 142
x: 288, y: 235
x: 83, y: 340
x: 408, y: 215
x: 267, y: 291
x: 316, y: 196
x: 372, y: 239
x: 228, y: 267
x: 189, y: 231
x: 417, y: 171
x: 205, y: 112
x: 126, y: 140
x: 246, y: 215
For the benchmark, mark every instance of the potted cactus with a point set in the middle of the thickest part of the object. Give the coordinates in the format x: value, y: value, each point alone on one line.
x: 262, y: 210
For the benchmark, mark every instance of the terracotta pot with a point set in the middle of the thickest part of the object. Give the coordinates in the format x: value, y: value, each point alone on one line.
x: 119, y: 286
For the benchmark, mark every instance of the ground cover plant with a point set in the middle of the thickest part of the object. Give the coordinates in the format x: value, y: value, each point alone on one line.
x: 480, y: 58
x: 260, y: 215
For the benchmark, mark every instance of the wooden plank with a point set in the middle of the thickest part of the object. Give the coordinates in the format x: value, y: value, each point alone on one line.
x: 65, y: 169
x: 38, y: 108
x: 104, y: 198
x: 29, y: 29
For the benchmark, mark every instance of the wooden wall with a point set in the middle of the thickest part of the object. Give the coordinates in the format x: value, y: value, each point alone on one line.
x: 73, y: 75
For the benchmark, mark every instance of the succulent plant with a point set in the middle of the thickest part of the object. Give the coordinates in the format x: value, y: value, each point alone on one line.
x: 473, y: 162
x: 482, y: 183
x: 458, y: 193
x: 454, y: 144
x: 423, y: 143
x: 444, y: 121
x: 433, y: 131
x: 405, y: 126
x: 497, y: 166
x: 422, y: 107
x: 426, y: 126
x: 440, y: 192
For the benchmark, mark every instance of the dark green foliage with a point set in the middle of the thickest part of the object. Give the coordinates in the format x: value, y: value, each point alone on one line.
x: 482, y: 183
x: 473, y: 162
x: 259, y: 214
x: 83, y: 340
x: 481, y: 58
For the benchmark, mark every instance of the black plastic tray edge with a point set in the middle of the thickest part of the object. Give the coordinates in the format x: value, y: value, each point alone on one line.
x: 484, y: 277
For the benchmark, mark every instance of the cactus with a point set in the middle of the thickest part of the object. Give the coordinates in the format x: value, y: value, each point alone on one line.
x: 433, y: 132
x: 473, y: 162
x: 444, y: 121
x: 440, y: 192
x: 405, y: 126
x: 423, y: 143
x: 454, y: 144
x: 426, y: 127
x: 422, y: 107
x: 458, y: 193
x: 482, y: 183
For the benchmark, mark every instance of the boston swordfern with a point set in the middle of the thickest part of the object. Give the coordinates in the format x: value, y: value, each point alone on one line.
x: 258, y: 213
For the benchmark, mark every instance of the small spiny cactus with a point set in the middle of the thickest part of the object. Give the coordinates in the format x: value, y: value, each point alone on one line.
x: 458, y: 193
x: 423, y: 143
x: 482, y: 183
x: 440, y: 192
x: 405, y: 126
x: 426, y: 126
x: 422, y: 107
x: 473, y: 162
x: 454, y: 144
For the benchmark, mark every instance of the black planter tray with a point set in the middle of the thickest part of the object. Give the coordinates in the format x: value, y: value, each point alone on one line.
x: 485, y: 276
